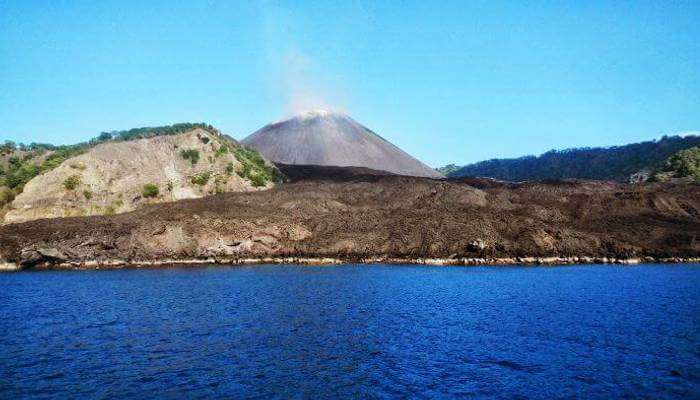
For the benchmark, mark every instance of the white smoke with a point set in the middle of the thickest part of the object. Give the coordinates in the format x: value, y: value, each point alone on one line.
x: 293, y: 74
x: 299, y: 83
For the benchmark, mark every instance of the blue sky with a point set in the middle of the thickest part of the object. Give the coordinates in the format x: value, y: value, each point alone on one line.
x: 451, y: 83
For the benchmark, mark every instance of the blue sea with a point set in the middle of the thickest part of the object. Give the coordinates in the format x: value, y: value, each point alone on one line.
x: 354, y: 331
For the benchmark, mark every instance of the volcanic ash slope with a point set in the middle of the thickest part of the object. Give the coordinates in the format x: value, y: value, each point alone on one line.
x: 333, y: 139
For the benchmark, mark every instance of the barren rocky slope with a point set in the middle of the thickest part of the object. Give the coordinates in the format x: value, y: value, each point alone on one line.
x: 116, y: 177
x: 332, y: 139
x: 352, y: 215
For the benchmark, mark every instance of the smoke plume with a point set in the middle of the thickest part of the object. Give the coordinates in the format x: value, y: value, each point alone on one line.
x: 293, y: 73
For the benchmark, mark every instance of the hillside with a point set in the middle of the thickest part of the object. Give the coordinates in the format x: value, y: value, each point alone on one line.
x: 683, y: 164
x: 360, y: 216
x: 333, y: 139
x: 19, y: 163
x: 120, y: 172
x: 617, y: 163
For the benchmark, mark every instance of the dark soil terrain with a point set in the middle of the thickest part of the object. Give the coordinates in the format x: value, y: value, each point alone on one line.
x: 353, y: 213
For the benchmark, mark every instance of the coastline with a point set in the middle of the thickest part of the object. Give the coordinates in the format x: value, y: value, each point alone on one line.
x: 384, y: 219
x: 318, y: 261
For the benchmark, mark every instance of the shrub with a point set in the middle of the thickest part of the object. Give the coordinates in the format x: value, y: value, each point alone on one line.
x: 71, y: 182
x: 191, y: 154
x: 201, y: 179
x: 258, y: 180
x: 219, y: 183
x: 18, y: 173
x: 87, y: 194
x: 244, y: 172
x: 276, y: 175
x: 230, y: 169
x: 6, y: 196
x: 223, y: 149
x: 21, y: 170
x: 685, y: 163
x: 254, y: 169
x: 150, y: 190
x: 78, y: 165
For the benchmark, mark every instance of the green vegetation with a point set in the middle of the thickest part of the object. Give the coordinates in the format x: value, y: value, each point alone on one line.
x: 150, y: 190
x: 685, y: 163
x: 253, y: 167
x: 18, y: 173
x: 59, y: 156
x: 6, y: 196
x: 87, y: 194
x: 230, y: 169
x: 244, y: 172
x: 448, y: 169
x: 21, y: 171
x: 112, y: 208
x: 611, y: 163
x: 219, y: 181
x: 258, y: 180
x: 147, y: 132
x: 71, y: 182
x: 223, y: 149
x: 19, y: 162
x: 191, y: 154
x: 201, y: 179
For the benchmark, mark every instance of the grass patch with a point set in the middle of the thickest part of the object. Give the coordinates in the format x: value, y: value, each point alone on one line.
x: 201, y: 179
x: 150, y: 190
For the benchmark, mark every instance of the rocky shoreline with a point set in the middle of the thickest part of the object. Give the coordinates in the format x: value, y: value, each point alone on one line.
x: 312, y: 261
x: 332, y: 216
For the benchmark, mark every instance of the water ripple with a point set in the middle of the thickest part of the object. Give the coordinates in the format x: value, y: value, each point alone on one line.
x: 352, y: 332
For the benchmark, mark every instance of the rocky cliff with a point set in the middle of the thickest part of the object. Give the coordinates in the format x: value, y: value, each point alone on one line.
x: 121, y: 176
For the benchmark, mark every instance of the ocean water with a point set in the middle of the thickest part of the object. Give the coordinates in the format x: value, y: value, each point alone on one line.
x: 355, y: 331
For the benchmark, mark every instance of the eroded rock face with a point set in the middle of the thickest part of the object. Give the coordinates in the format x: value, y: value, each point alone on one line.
x: 112, y: 178
x: 477, y: 245
x: 30, y: 257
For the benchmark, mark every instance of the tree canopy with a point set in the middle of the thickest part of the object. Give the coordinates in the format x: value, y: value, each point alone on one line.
x: 603, y: 163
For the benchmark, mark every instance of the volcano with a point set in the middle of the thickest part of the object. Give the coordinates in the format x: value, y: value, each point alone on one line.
x: 333, y: 139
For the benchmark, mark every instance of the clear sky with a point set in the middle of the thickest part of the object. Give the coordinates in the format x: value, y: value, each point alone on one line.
x: 449, y: 82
